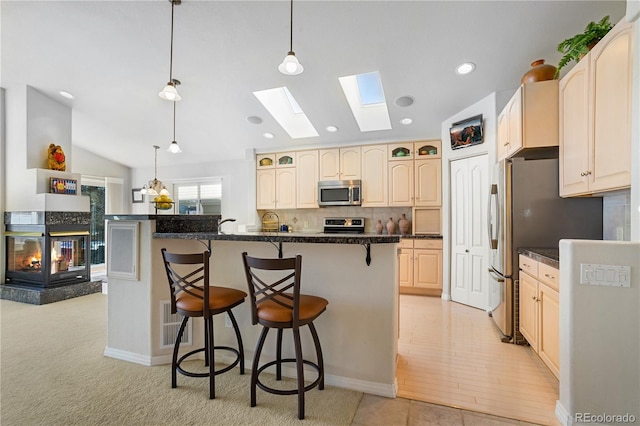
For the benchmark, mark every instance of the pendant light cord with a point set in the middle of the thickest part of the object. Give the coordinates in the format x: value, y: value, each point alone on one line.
x: 171, y: 50
x: 291, y: 30
x: 174, y: 121
x: 155, y: 167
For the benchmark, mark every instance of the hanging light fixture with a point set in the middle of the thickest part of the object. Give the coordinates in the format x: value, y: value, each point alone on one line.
x: 290, y: 64
x: 170, y: 91
x: 155, y: 187
x: 174, y: 148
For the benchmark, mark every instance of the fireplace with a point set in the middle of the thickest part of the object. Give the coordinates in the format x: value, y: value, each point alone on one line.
x: 47, y: 249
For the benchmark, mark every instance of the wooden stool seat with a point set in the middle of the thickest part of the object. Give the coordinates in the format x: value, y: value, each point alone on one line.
x: 310, y: 308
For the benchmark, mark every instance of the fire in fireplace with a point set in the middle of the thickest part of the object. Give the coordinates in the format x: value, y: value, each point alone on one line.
x: 47, y: 254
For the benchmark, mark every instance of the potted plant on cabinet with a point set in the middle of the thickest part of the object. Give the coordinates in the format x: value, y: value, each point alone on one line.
x: 576, y: 47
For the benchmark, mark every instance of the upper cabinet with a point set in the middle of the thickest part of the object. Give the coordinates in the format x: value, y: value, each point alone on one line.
x: 595, y: 117
x: 530, y: 119
x: 428, y: 173
x: 374, y: 176
x: 340, y: 163
x: 400, y: 151
x: 307, y: 179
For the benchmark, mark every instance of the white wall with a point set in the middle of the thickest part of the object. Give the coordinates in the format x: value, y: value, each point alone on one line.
x: 633, y: 14
x: 489, y: 107
x: 238, y: 186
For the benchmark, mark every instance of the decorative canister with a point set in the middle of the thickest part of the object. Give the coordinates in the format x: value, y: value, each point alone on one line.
x: 403, y: 224
x: 391, y: 226
x: 539, y: 72
x: 379, y: 227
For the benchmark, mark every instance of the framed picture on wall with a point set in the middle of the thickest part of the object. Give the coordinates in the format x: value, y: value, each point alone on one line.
x: 466, y: 132
x: 137, y: 196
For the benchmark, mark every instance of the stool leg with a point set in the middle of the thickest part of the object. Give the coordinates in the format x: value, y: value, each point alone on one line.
x: 300, y: 372
x: 279, y: 355
x: 206, y: 343
x: 240, y: 345
x: 254, y: 367
x: 176, y: 348
x: 316, y: 341
x: 212, y: 365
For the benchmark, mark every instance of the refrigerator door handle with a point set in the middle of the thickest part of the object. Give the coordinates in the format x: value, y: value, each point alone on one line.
x: 493, y: 201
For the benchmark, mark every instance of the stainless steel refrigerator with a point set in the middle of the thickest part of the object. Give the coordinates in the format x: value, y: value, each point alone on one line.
x: 525, y: 211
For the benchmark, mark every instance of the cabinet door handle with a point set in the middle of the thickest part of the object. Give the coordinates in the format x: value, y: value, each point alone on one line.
x: 505, y: 144
x: 550, y: 276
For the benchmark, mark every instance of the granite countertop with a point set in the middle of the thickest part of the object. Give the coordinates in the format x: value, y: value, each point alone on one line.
x: 283, y: 237
x: 422, y: 237
x: 548, y: 256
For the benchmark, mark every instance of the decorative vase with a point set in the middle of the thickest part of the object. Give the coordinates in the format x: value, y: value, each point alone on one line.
x: 403, y: 224
x: 391, y: 226
x: 539, y: 72
x: 379, y: 227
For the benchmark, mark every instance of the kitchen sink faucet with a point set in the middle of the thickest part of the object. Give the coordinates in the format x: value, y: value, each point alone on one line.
x: 221, y: 221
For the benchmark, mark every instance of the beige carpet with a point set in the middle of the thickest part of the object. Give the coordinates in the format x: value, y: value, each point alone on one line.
x: 53, y: 372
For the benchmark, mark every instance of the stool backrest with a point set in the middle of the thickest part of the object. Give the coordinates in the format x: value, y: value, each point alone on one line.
x: 188, y: 273
x: 276, y: 280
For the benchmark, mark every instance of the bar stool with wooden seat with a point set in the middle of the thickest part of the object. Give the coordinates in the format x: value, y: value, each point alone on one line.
x: 188, y: 276
x: 276, y: 302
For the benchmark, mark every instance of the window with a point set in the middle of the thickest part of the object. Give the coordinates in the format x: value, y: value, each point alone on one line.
x: 199, y: 197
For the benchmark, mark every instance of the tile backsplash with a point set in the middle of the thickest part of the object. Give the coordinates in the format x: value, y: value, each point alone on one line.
x: 616, y: 216
x: 311, y: 220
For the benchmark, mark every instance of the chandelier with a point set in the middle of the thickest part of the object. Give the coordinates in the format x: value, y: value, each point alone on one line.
x: 290, y: 64
x: 170, y: 91
x: 155, y: 187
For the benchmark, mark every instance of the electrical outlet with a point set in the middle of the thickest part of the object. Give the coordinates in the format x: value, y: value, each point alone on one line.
x: 605, y: 275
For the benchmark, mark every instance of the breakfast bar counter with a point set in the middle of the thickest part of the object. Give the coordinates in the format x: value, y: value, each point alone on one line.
x: 358, y: 331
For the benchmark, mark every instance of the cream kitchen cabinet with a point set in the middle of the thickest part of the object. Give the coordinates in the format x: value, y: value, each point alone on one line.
x: 428, y: 174
x: 276, y: 188
x: 595, y: 117
x: 401, y: 178
x: 540, y: 310
x: 530, y: 119
x: 340, y: 163
x: 420, y: 266
x: 307, y: 179
x: 401, y: 151
x: 374, y: 176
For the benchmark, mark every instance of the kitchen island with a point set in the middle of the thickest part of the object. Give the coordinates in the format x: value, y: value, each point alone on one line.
x: 357, y: 273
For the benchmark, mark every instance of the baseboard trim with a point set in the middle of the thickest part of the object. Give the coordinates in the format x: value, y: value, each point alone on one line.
x: 128, y: 356
x: 374, y: 388
x: 563, y: 415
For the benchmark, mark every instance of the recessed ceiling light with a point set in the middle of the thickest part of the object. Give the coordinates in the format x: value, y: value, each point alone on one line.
x: 406, y: 121
x: 65, y: 94
x: 405, y: 101
x: 465, y: 68
x: 332, y: 129
x: 268, y: 135
x: 254, y: 119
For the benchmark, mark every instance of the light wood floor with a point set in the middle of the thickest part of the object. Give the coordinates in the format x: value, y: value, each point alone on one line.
x: 451, y: 354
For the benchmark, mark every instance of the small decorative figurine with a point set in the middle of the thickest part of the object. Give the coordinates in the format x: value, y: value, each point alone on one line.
x: 403, y: 224
x: 379, y: 227
x: 56, y: 158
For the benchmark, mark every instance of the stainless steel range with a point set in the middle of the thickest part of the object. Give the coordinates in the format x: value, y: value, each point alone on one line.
x: 344, y: 225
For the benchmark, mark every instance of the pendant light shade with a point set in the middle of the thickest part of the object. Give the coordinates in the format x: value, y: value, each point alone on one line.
x: 290, y: 65
x: 174, y: 148
x: 170, y: 91
x: 155, y: 187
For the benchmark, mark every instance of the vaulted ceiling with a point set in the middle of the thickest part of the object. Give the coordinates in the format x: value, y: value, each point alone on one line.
x: 113, y: 56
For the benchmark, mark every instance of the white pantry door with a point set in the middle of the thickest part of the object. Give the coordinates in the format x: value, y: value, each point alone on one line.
x: 469, y: 241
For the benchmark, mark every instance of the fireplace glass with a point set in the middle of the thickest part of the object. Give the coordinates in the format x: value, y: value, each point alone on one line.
x: 47, y: 260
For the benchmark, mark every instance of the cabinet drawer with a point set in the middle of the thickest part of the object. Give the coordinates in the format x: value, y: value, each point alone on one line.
x: 427, y: 244
x: 529, y: 265
x: 549, y: 275
x: 405, y: 243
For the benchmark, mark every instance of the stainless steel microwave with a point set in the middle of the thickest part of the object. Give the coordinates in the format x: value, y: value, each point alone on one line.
x: 339, y: 193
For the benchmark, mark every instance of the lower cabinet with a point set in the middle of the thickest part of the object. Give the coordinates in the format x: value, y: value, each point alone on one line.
x: 540, y: 310
x: 420, y: 266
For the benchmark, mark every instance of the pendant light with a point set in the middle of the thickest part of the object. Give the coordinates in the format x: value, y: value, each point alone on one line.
x: 174, y: 148
x: 290, y: 64
x: 170, y: 92
x: 155, y: 187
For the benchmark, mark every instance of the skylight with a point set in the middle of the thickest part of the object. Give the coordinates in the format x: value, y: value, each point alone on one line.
x: 365, y: 96
x: 287, y: 112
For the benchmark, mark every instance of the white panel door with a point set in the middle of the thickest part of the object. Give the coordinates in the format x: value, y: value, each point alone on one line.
x: 469, y: 242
